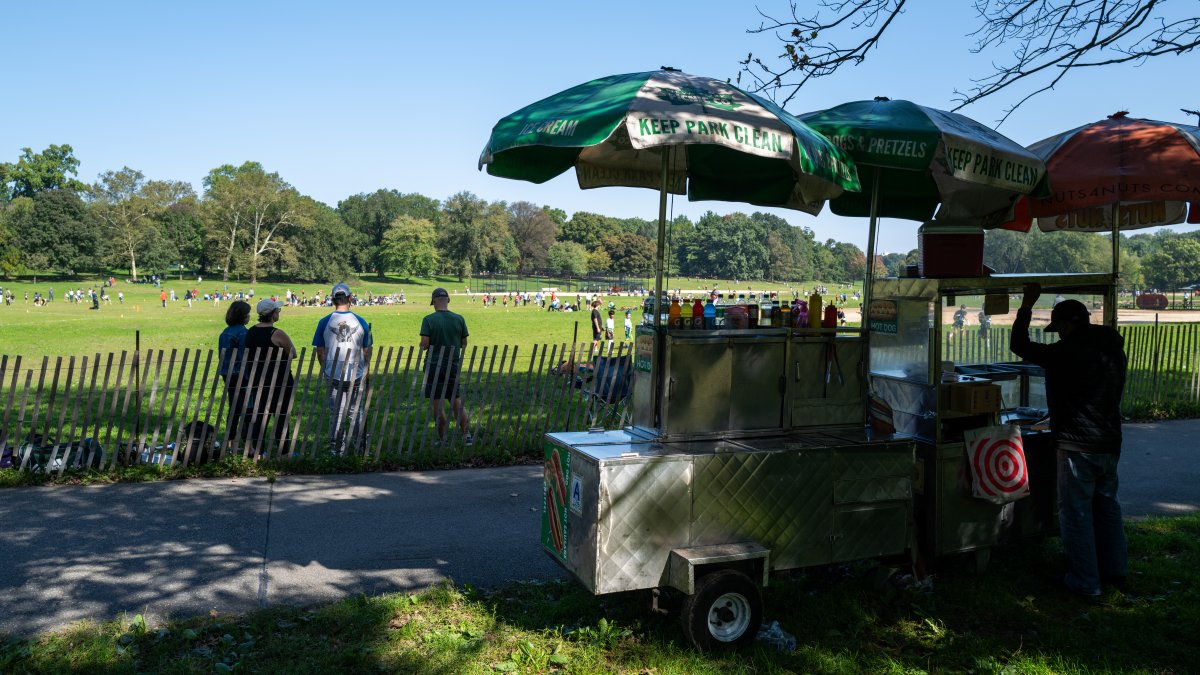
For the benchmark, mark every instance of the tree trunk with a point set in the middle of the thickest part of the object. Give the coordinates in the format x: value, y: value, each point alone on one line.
x: 133, y: 266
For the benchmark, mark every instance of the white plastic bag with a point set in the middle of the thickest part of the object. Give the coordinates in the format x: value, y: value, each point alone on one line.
x: 999, y: 472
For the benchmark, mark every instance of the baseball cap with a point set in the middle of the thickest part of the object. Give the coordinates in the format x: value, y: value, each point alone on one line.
x: 267, y: 305
x: 340, y: 289
x: 1066, y: 311
x: 439, y: 293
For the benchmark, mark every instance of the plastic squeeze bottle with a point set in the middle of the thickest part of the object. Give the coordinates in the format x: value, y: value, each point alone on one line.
x: 830, y: 320
x: 814, y: 310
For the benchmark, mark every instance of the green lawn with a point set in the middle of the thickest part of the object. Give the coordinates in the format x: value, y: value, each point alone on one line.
x: 66, y: 329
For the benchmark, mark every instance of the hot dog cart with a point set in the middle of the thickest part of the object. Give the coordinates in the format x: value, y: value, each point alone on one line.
x: 748, y: 454
x: 934, y: 376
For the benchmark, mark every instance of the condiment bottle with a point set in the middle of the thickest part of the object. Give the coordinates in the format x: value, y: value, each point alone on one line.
x: 830, y: 320
x: 814, y: 310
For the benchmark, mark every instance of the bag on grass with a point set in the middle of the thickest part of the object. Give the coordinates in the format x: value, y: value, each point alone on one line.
x: 996, y: 454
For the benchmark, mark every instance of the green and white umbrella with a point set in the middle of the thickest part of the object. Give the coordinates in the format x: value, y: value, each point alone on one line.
x: 917, y: 161
x: 678, y: 133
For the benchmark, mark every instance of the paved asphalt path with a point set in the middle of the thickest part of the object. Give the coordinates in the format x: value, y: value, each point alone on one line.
x: 187, y: 547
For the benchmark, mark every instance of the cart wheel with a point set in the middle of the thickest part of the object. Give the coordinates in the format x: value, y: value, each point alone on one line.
x: 724, y: 612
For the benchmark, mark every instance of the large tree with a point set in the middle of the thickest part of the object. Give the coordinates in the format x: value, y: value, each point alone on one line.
x: 1176, y: 264
x: 632, y: 254
x: 589, y: 229
x: 1037, y: 42
x: 53, y: 231
x: 250, y: 212
x: 317, y: 244
x: 475, y: 237
x: 373, y: 214
x: 569, y: 259
x: 534, y: 231
x: 410, y: 246
x: 127, y: 207
x: 34, y: 172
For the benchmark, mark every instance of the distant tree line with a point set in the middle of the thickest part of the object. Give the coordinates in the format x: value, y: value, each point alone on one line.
x: 249, y: 222
x: 1165, y: 259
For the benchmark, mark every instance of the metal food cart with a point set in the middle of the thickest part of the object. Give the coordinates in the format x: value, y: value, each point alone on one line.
x: 918, y: 392
x: 747, y: 455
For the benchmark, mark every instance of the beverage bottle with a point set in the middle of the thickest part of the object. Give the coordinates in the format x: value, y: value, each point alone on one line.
x: 830, y: 320
x: 710, y: 314
x: 647, y: 310
x: 698, y: 314
x: 785, y: 315
x: 814, y: 310
x: 752, y: 312
x: 685, y: 315
x: 673, y: 313
x: 801, y: 314
x: 768, y: 312
x: 720, y: 311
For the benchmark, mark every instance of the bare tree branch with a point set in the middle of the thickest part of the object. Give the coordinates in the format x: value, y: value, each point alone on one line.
x: 803, y: 56
x: 1048, y: 39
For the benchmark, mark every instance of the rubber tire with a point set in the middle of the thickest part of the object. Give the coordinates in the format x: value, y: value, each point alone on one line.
x: 710, y: 591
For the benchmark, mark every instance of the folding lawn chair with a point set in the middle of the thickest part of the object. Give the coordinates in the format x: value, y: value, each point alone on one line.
x: 607, y: 391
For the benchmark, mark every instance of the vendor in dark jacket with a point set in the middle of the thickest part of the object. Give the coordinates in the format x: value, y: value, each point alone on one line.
x: 1085, y: 375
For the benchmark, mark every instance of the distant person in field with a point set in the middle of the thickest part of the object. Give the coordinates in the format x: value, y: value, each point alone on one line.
x: 343, y: 344
x: 162, y: 296
x: 597, y: 326
x: 270, y: 352
x: 231, y: 357
x: 444, y: 337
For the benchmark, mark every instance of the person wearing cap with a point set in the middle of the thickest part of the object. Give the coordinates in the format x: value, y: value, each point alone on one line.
x: 1085, y: 376
x: 269, y: 353
x: 343, y: 344
x: 443, y: 339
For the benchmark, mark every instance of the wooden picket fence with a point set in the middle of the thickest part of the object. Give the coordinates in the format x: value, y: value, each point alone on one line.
x: 167, y: 407
x: 1164, y: 360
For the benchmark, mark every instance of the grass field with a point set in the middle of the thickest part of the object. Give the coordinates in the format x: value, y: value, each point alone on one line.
x: 74, y: 329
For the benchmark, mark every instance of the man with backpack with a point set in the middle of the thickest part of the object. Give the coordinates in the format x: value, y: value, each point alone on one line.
x: 343, y: 344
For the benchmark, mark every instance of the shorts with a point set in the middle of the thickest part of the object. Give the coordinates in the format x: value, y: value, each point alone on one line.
x: 596, y: 335
x: 442, y: 386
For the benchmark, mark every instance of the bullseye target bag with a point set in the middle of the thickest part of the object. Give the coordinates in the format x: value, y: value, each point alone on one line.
x: 996, y: 454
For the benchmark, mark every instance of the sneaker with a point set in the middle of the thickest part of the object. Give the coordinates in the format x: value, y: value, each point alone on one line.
x: 468, y: 440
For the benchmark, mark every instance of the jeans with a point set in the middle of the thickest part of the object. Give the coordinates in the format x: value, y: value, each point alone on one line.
x: 1093, y: 535
x: 345, y: 418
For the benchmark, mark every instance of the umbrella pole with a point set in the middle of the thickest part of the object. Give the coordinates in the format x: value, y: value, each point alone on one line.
x: 869, y: 277
x: 659, y: 354
x: 1111, y: 301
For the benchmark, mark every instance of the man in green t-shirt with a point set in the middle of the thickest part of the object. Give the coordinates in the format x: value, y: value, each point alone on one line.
x: 444, y: 337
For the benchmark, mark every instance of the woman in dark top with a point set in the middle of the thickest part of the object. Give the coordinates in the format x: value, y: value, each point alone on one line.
x: 270, y: 353
x: 231, y: 355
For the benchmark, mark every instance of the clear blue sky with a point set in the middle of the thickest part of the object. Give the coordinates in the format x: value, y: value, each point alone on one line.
x: 350, y: 97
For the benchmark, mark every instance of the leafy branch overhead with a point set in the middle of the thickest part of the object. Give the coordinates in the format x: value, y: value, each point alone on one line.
x: 1045, y: 40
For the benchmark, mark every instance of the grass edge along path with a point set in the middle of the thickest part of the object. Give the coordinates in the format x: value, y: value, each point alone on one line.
x: 848, y: 618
